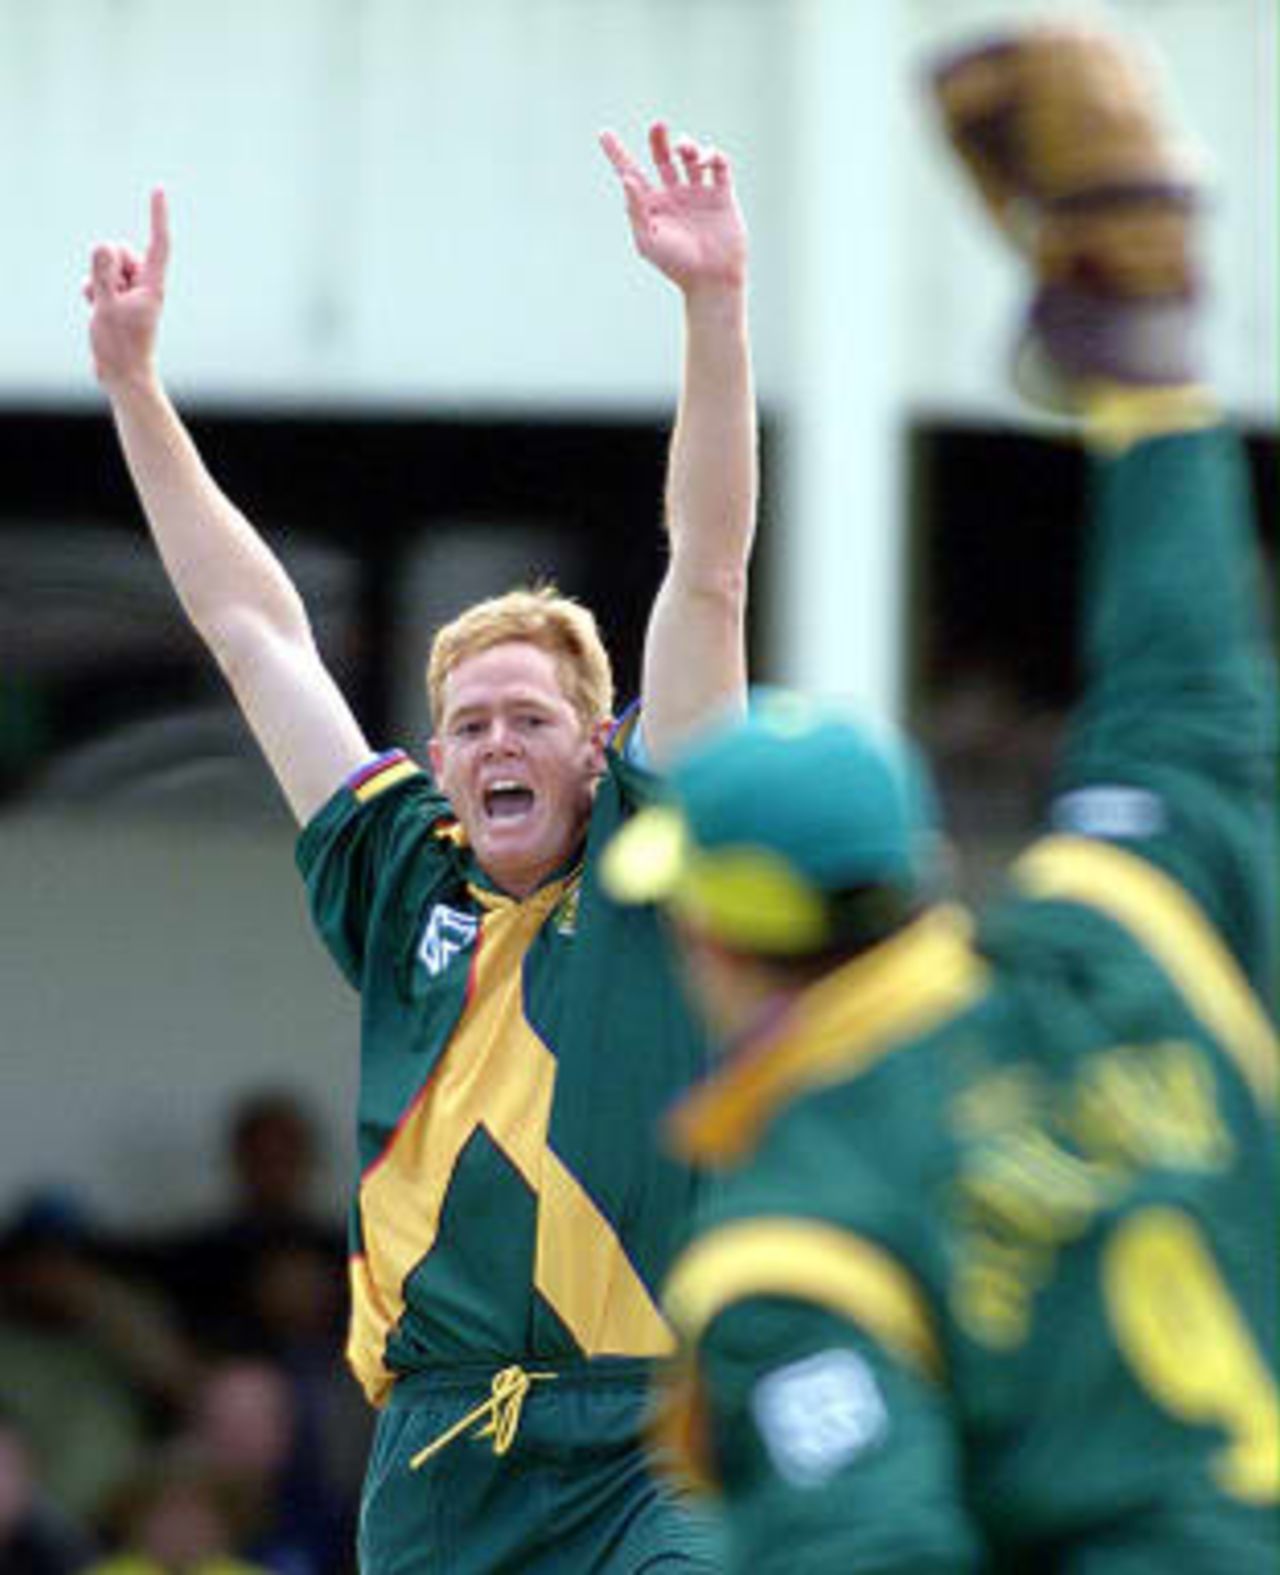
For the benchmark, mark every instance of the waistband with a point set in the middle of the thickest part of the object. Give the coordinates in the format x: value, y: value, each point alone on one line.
x: 497, y: 1417
x: 446, y: 1378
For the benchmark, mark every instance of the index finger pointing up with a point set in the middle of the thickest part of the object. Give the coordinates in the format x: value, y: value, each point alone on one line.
x: 158, y: 245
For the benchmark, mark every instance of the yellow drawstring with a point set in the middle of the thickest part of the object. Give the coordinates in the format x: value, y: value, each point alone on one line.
x: 500, y: 1414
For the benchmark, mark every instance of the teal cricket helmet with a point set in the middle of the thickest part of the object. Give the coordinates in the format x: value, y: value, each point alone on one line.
x: 794, y: 829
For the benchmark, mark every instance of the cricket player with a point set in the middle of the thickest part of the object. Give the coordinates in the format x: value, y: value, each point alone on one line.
x: 520, y: 1031
x: 990, y: 1282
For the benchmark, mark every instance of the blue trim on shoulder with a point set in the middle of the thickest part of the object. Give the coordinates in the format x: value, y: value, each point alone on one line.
x: 370, y: 768
x: 627, y: 738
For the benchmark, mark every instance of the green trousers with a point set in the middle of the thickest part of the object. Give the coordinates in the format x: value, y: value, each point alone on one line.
x: 476, y: 1473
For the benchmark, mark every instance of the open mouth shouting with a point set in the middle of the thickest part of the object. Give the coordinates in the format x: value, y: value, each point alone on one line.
x: 507, y: 800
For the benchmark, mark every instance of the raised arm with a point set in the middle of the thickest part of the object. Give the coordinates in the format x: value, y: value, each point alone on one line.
x: 688, y: 225
x: 231, y: 586
x: 1171, y: 753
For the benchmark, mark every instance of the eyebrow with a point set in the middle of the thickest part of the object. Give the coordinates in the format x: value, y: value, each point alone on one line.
x: 518, y: 702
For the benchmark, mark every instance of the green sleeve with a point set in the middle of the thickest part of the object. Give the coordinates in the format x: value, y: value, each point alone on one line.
x: 356, y: 854
x: 833, y: 1457
x: 1173, y: 750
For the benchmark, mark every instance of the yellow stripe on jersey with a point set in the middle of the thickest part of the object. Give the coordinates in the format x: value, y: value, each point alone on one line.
x: 1168, y: 924
x: 498, y: 1074
x: 371, y: 1319
x: 583, y: 1271
x: 809, y: 1261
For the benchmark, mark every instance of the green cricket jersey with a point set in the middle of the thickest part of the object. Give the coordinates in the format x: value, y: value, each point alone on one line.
x: 991, y: 1283
x: 515, y: 1058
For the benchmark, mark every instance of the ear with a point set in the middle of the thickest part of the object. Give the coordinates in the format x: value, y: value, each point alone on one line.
x: 597, y: 741
x: 435, y: 754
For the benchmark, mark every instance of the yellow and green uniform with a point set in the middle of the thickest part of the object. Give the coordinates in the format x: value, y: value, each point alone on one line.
x: 511, y: 1209
x: 991, y: 1281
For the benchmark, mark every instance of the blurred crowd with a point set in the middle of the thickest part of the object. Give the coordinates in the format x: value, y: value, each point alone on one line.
x: 177, y: 1402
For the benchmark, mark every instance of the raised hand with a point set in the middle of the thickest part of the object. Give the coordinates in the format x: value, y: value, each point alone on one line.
x: 126, y: 293
x: 687, y: 224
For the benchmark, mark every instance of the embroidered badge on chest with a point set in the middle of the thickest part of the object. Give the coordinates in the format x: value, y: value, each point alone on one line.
x: 565, y: 917
x: 448, y: 932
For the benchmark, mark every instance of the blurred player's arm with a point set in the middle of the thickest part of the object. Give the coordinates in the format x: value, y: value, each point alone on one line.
x: 231, y: 586
x: 1171, y: 754
x: 1172, y: 751
x: 828, y: 1434
x: 689, y: 226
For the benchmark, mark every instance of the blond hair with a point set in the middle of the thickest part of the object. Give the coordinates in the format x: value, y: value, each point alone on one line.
x: 541, y: 616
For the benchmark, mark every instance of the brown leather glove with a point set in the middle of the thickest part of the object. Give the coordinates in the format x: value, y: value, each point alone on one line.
x: 1062, y: 131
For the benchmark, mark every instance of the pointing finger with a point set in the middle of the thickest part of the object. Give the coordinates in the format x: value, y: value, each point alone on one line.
x: 158, y: 246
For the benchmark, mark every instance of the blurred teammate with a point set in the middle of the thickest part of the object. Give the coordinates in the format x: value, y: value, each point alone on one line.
x: 520, y: 1031
x: 991, y: 1280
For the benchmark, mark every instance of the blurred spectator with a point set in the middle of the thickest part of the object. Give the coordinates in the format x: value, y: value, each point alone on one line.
x: 220, y: 1272
x: 275, y: 1157
x: 245, y: 1428
x: 35, y: 1538
x: 299, y: 1315
x: 90, y: 1363
x: 176, y: 1518
x: 262, y: 1287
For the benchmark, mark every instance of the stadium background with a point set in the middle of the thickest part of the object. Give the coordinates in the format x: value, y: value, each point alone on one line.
x: 409, y: 332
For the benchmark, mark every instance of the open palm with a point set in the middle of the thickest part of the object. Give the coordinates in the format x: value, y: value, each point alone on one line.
x: 687, y: 223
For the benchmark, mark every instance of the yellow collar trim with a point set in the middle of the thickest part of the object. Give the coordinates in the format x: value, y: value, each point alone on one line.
x: 543, y: 900
x: 837, y: 1029
x: 1173, y: 930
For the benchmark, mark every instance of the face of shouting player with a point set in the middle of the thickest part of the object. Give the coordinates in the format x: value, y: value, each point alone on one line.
x: 516, y: 762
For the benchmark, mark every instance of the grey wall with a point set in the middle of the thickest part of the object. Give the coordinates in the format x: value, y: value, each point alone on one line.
x: 149, y: 971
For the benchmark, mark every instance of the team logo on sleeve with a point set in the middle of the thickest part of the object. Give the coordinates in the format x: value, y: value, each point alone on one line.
x: 817, y: 1415
x: 1109, y: 811
x: 448, y: 932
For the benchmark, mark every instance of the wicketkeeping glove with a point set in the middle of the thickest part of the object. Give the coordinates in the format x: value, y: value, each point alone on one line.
x: 1063, y: 133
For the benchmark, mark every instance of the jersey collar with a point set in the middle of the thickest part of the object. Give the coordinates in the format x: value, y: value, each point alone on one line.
x: 833, y: 1031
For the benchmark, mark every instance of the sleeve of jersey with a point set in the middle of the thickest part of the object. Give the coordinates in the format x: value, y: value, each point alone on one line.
x: 349, y: 852
x: 1172, y: 754
x: 827, y: 1420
